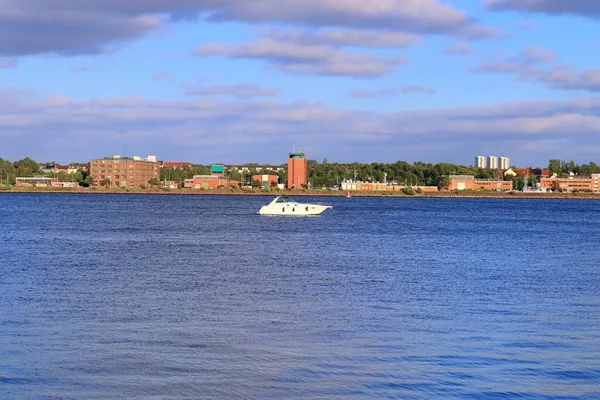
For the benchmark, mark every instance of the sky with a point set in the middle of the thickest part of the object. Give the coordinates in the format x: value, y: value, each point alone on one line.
x: 239, y: 81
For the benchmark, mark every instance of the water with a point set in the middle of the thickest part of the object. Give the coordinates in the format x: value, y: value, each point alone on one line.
x: 176, y: 297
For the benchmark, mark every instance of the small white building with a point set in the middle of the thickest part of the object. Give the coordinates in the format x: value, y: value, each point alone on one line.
x: 510, y: 172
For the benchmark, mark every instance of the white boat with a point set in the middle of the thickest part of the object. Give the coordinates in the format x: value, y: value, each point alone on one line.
x: 282, y: 205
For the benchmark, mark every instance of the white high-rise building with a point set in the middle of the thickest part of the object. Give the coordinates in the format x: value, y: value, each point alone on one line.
x: 493, y: 162
x: 504, y: 163
x: 480, y: 162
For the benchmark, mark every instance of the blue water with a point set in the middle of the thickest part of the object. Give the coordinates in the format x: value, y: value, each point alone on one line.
x: 177, y: 297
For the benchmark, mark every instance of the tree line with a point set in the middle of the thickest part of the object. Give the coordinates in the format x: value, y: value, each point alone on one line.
x: 28, y: 167
x: 322, y: 174
x: 564, y: 168
x: 327, y: 174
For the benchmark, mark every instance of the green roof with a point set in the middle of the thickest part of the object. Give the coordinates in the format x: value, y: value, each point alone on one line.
x: 297, y: 154
x: 217, y: 169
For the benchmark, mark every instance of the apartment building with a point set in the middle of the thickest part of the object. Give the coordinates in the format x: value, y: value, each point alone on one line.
x: 118, y: 171
x: 504, y: 163
x: 492, y: 162
x: 481, y: 162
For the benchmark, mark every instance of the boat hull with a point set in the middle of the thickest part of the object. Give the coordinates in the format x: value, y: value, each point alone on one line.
x: 294, y: 210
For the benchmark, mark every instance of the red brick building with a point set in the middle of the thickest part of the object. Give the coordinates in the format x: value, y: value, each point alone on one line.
x: 468, y: 182
x: 209, y: 182
x: 581, y: 183
x: 175, y: 164
x: 117, y: 171
x: 297, y: 170
x: 266, y: 180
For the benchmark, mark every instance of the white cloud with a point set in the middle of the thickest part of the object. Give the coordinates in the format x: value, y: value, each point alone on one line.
x: 306, y: 59
x: 525, y: 66
x: 459, y: 48
x: 242, y: 91
x: 343, y: 37
x: 392, y: 91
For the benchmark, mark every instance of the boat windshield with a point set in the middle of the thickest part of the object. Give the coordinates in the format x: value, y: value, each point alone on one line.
x: 284, y: 199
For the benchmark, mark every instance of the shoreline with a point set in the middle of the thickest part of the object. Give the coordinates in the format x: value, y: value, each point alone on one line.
x: 298, y: 193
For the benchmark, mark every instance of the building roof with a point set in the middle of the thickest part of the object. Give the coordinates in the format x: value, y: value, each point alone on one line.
x: 297, y: 154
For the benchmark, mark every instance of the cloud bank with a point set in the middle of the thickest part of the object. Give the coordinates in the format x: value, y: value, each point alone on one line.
x: 71, y: 27
x: 209, y: 130
x: 526, y: 67
x: 584, y: 8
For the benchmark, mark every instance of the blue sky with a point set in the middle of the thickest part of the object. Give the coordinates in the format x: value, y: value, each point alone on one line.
x: 347, y: 80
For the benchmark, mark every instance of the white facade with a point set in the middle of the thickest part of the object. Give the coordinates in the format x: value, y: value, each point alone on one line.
x: 480, y: 162
x: 492, y: 162
x: 595, y: 179
x: 504, y: 163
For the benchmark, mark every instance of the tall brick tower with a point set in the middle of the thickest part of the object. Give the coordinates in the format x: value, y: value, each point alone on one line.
x: 297, y: 170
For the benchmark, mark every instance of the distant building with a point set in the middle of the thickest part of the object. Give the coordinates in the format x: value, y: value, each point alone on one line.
x: 382, y: 187
x: 573, y: 183
x: 480, y: 162
x: 539, y: 172
x: 523, y: 171
x: 215, y: 180
x: 217, y: 169
x: 266, y: 180
x: 175, y: 164
x: 38, y: 181
x: 41, y: 181
x: 254, y: 167
x: 138, y: 158
x: 205, y: 182
x: 468, y: 182
x: 297, y: 170
x: 510, y: 172
x: 493, y: 162
x: 120, y: 171
x: 170, y: 184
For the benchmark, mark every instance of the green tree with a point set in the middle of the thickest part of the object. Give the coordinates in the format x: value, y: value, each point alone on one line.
x: 7, y: 173
x: 153, y: 182
x: 408, y: 190
x: 28, y: 163
x: 555, y: 166
x: 87, y: 181
x: 444, y: 183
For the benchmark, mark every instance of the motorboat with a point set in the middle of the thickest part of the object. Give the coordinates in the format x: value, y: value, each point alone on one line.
x: 283, y: 205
